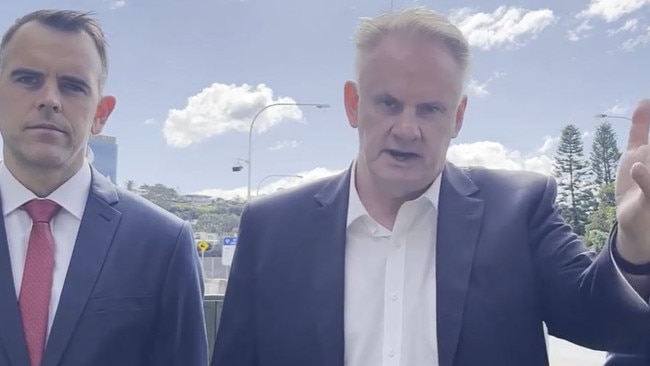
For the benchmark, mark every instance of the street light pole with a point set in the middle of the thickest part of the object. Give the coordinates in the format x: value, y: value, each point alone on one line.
x: 605, y: 116
x: 250, y: 135
x: 259, y: 185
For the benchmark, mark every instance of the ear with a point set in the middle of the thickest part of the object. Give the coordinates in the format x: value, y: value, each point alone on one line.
x: 351, y: 101
x: 104, y: 110
x: 460, y: 115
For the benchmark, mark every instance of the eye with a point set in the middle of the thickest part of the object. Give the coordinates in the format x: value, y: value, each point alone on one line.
x: 29, y: 80
x: 72, y: 87
x: 428, y: 109
x: 390, y: 104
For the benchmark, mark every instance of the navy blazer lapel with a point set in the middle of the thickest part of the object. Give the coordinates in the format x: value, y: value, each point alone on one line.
x: 329, y: 235
x: 98, y: 225
x: 11, y: 330
x: 459, y: 222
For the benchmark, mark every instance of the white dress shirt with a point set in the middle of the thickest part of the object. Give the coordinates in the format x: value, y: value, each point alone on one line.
x: 390, y: 284
x: 71, y: 196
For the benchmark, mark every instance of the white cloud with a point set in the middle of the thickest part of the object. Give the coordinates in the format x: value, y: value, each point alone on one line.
x: 272, y: 186
x: 618, y: 109
x: 494, y: 155
x: 504, y: 27
x: 483, y: 153
x: 280, y: 145
x: 549, y: 143
x: 612, y: 10
x: 578, y: 33
x: 220, y: 108
x: 480, y: 89
x: 640, y: 40
x: 477, y: 88
x: 116, y: 4
x: 149, y: 121
x: 629, y: 26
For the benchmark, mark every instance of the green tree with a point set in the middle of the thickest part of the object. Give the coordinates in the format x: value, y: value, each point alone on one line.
x: 130, y: 185
x: 575, y: 195
x: 601, y: 220
x: 604, y: 154
x: 160, y: 194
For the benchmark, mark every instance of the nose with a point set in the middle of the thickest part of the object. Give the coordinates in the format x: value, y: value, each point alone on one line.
x: 50, y: 100
x: 406, y: 127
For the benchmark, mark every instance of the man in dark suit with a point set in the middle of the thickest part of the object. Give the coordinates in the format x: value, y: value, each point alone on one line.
x: 90, y: 274
x: 405, y: 259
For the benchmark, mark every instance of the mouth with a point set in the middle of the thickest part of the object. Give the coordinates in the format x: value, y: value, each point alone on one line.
x: 402, y: 155
x: 45, y: 126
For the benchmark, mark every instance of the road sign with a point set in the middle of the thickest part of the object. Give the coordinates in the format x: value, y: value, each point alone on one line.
x: 228, y: 250
x: 203, y: 245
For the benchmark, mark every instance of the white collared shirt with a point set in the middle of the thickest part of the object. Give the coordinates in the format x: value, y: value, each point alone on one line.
x: 390, y: 284
x: 71, y: 196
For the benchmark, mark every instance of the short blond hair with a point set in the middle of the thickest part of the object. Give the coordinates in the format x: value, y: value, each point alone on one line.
x: 417, y: 21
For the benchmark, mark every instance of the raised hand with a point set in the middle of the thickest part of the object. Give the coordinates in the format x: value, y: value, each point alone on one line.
x: 633, y: 190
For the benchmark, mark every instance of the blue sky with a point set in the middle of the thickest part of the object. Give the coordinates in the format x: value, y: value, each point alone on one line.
x: 189, y: 76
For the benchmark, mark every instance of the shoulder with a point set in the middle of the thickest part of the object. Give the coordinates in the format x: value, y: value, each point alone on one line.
x: 295, y: 198
x: 509, y: 180
x: 505, y: 178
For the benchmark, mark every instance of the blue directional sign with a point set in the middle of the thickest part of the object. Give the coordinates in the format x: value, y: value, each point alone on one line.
x: 228, y: 250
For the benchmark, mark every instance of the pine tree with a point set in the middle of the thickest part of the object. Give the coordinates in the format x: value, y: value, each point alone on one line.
x: 604, y: 154
x: 602, y: 219
x: 575, y: 195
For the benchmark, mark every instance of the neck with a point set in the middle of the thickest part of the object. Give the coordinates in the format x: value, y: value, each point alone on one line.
x: 42, y: 182
x: 380, y: 204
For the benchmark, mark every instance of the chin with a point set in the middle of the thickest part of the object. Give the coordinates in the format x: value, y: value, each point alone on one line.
x: 403, y: 187
x: 47, y: 159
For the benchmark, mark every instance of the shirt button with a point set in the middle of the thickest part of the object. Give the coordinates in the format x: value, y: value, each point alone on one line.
x: 391, y: 353
x: 393, y: 297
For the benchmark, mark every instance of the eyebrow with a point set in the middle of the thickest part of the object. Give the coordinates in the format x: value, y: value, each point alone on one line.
x: 25, y: 71
x: 436, y: 103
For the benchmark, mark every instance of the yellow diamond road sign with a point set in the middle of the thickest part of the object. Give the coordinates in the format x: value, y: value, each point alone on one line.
x: 203, y: 245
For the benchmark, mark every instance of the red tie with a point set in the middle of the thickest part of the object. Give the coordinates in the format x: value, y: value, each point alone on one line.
x: 36, y: 287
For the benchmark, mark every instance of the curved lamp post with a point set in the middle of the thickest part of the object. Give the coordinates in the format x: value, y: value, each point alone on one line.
x: 249, y: 161
x: 274, y: 175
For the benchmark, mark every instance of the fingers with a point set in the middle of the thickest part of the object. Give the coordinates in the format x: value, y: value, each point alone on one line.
x: 640, y: 126
x: 641, y: 175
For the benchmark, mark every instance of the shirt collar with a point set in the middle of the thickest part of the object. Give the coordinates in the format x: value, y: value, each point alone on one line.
x: 356, y: 209
x: 71, y: 195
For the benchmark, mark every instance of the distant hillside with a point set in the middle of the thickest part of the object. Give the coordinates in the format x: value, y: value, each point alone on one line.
x: 206, y: 214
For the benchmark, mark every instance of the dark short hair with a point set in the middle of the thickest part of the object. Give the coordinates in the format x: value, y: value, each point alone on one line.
x: 66, y: 21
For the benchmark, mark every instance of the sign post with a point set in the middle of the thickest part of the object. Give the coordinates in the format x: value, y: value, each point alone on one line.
x: 202, y: 245
x: 228, y: 251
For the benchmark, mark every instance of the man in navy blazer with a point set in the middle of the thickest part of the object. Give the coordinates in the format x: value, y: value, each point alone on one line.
x: 405, y: 259
x: 90, y: 274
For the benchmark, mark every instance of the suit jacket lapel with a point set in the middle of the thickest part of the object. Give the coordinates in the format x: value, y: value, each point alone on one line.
x: 98, y: 225
x: 11, y: 330
x: 328, y: 230
x: 458, y: 231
